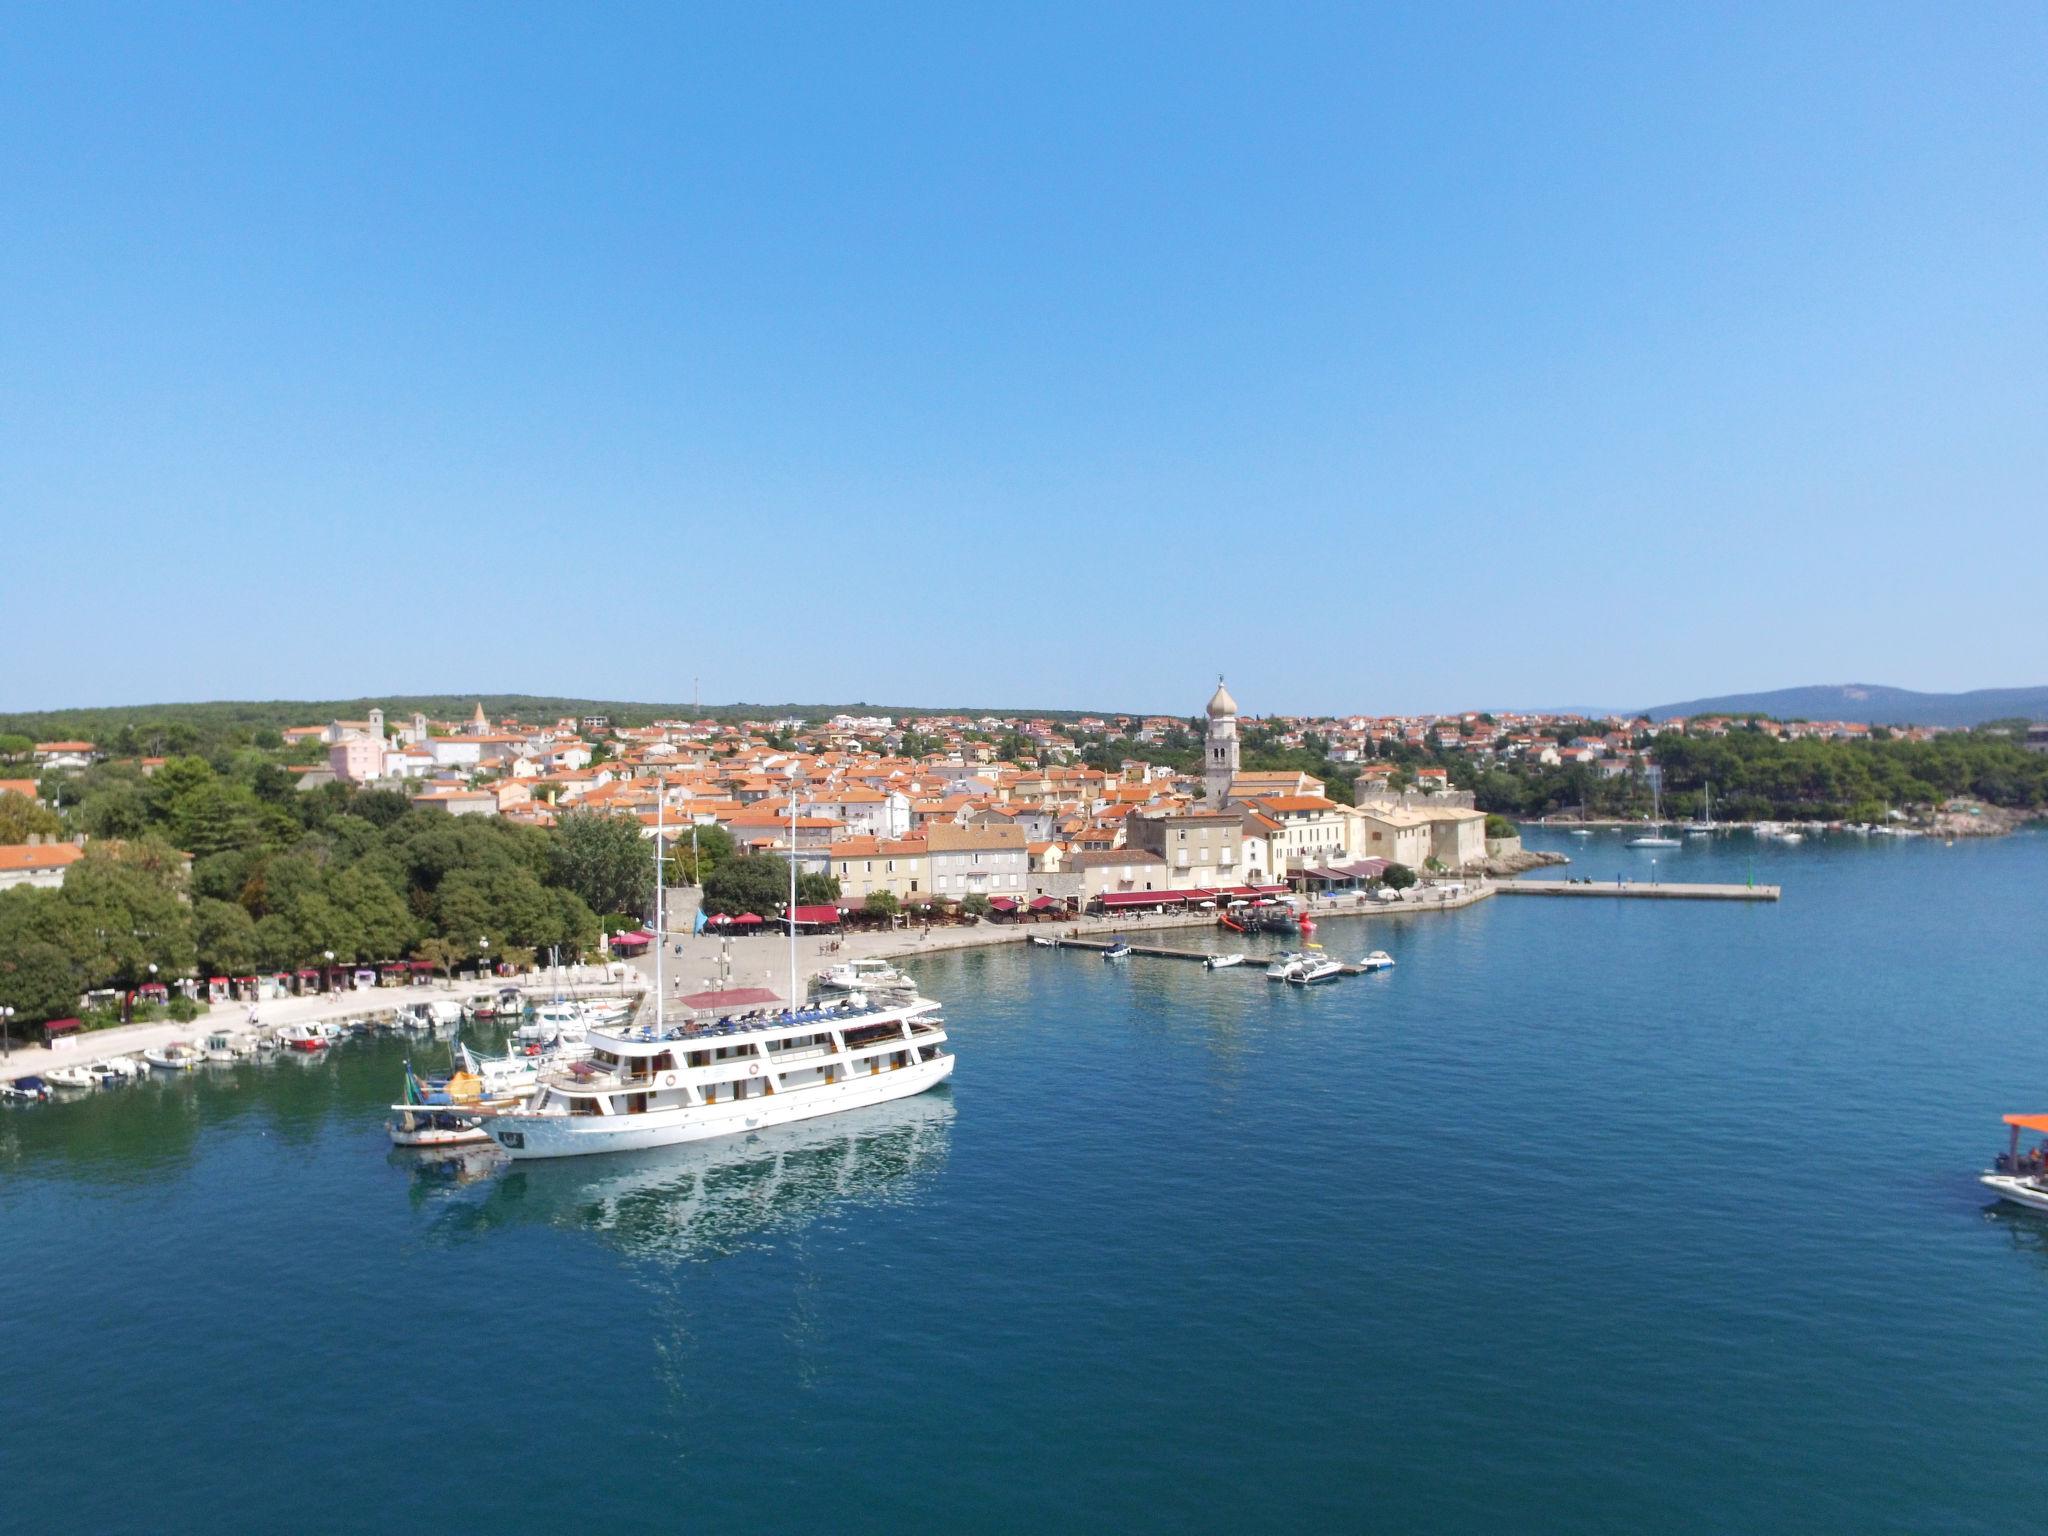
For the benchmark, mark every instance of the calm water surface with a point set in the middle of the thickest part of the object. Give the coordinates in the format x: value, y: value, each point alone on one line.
x: 1588, y: 1216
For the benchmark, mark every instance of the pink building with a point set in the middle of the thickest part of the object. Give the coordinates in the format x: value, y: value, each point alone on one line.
x: 358, y: 760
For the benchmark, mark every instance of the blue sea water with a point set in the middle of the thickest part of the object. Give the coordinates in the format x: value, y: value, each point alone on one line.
x: 1589, y: 1216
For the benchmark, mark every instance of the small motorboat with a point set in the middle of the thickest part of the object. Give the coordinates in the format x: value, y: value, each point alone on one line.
x: 1582, y: 831
x: 71, y: 1077
x: 1222, y: 962
x: 175, y: 1057
x: 1118, y: 950
x: 1284, y: 967
x: 222, y: 1046
x: 2021, y: 1177
x: 306, y: 1038
x: 27, y: 1090
x: 121, y: 1066
x: 422, y: 1125
x: 1315, y: 969
x: 1045, y: 941
x: 1378, y: 960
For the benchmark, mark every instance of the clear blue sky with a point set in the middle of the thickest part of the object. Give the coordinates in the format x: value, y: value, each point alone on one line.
x: 1389, y: 359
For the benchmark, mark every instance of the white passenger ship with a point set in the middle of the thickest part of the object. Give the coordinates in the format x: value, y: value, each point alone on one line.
x: 734, y: 1066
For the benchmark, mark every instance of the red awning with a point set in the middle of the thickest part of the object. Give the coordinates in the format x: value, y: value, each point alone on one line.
x: 633, y: 936
x: 816, y: 916
x: 61, y: 1027
x: 747, y: 920
x: 1001, y: 904
x: 1142, y: 898
x: 1040, y: 903
x: 309, y: 973
x: 731, y: 997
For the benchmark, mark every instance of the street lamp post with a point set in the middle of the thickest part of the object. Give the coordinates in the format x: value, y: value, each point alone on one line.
x: 6, y: 1032
x: 329, y: 977
x: 484, y: 945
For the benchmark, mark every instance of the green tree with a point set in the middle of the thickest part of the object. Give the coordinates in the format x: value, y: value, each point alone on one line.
x: 604, y: 860
x: 976, y: 904
x: 1398, y: 876
x: 21, y: 818
x: 13, y: 745
x: 223, y: 937
x: 38, y: 981
x: 714, y: 846
x: 881, y: 905
x: 754, y: 882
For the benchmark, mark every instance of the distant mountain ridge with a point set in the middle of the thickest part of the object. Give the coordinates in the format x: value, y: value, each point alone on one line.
x: 1872, y: 704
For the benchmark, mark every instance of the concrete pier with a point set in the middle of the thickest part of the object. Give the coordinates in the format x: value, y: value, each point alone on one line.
x: 1643, y: 890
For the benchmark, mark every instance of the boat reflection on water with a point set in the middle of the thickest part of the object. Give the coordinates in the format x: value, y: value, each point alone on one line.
x: 704, y: 1199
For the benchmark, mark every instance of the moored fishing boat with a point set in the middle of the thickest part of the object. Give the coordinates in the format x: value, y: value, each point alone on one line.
x: 1119, y: 949
x: 31, y: 1090
x: 443, y: 1112
x: 306, y: 1038
x: 71, y: 1077
x: 736, y: 1065
x: 174, y: 1057
x: 1223, y: 962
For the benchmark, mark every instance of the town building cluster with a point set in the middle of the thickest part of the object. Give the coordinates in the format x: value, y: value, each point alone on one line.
x: 950, y: 806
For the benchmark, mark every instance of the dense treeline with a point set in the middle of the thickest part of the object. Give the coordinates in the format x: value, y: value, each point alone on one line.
x: 157, y: 730
x: 1756, y: 775
x: 279, y: 879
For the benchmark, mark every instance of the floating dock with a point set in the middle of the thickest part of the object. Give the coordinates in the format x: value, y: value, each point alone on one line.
x: 1252, y: 966
x: 1641, y: 890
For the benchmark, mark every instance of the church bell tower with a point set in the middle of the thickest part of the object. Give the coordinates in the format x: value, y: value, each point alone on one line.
x: 1220, y: 765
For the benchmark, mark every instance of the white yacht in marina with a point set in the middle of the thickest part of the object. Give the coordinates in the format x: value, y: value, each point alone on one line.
x: 736, y: 1066
x: 1286, y: 967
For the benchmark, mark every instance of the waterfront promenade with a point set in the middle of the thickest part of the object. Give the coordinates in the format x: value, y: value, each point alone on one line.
x: 698, y: 962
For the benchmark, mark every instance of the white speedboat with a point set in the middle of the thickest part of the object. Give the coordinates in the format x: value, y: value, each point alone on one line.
x: 126, y: 1067
x: 556, y: 1023
x: 656, y: 1086
x: 1315, y: 969
x: 1118, y: 950
x: 1284, y: 967
x: 71, y: 1077
x: 505, y: 1076
x: 1378, y: 960
x: 175, y: 1057
x: 1223, y: 962
x: 1655, y: 839
x: 306, y: 1038
x: 31, y: 1090
x: 2017, y: 1177
x: 1582, y: 831
x: 1045, y: 941
x: 865, y: 976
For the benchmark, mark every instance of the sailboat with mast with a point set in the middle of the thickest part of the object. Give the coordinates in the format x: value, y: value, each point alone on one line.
x: 1655, y: 837
x: 735, y: 1062
x: 1705, y: 826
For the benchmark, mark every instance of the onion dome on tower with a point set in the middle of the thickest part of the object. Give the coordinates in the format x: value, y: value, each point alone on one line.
x: 1220, y: 702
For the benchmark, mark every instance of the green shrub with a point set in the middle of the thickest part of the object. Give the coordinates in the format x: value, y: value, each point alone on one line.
x: 1498, y: 826
x: 183, y: 1009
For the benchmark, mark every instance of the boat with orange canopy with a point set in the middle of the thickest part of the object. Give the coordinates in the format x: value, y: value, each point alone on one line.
x: 2022, y: 1177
